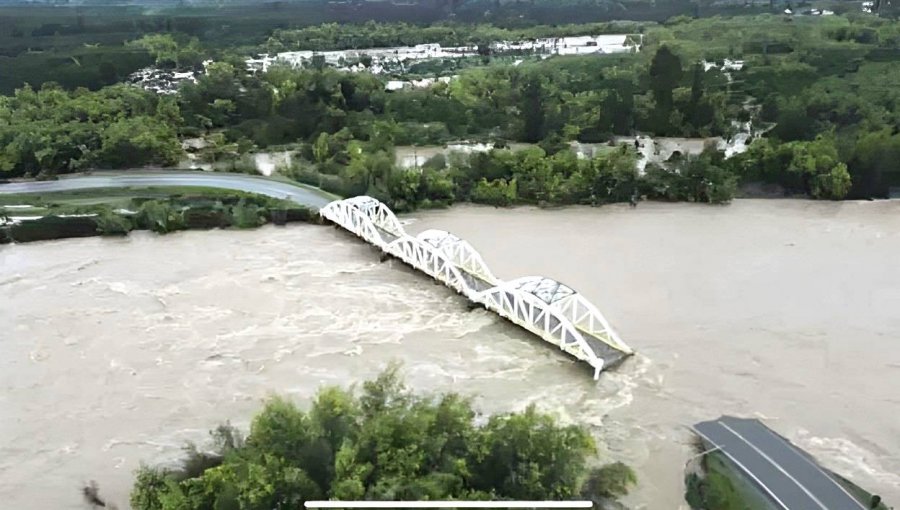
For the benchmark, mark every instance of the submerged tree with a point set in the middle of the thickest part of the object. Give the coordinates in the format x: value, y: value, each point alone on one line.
x: 386, y: 443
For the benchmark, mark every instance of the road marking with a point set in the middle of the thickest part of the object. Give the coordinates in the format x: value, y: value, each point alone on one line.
x: 816, y: 466
x: 747, y: 471
x: 778, y: 466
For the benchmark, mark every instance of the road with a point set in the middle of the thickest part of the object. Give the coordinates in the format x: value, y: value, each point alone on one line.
x: 303, y: 195
x: 785, y: 474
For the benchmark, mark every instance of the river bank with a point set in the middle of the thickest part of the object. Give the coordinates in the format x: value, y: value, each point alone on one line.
x: 114, y: 203
x: 29, y: 217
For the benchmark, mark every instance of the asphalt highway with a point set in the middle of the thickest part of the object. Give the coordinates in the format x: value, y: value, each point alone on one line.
x: 303, y: 195
x: 789, y: 477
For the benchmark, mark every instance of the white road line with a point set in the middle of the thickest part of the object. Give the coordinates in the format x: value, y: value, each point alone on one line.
x: 747, y: 471
x: 816, y: 466
x: 778, y: 466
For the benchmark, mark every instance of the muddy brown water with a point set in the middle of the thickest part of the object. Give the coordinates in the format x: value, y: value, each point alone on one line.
x: 117, y: 351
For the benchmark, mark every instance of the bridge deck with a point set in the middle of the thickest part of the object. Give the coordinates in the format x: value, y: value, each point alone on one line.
x: 611, y: 357
x: 786, y: 475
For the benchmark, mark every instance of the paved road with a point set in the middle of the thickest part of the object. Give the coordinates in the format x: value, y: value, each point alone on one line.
x: 303, y: 195
x: 787, y: 475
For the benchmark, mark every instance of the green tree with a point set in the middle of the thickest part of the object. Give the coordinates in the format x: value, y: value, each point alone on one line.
x: 532, y: 108
x: 498, y: 192
x: 162, y: 47
x: 665, y: 74
x: 385, y: 442
x: 817, y: 161
x: 873, y: 165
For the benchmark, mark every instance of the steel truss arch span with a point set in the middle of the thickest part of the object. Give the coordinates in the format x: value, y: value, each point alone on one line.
x: 353, y: 220
x: 533, y: 314
x: 430, y: 261
x: 460, y: 252
x: 583, y: 315
x: 543, y: 306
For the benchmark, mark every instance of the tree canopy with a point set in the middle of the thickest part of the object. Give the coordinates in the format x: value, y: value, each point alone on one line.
x: 803, y: 84
x: 51, y: 130
x: 384, y: 442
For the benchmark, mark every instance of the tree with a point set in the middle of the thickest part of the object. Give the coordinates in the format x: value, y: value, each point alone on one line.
x: 52, y: 131
x: 873, y: 166
x: 497, y: 192
x: 161, y: 47
x: 320, y: 149
x: 532, y: 108
x: 792, y: 122
x: 706, y: 181
x: 817, y: 161
x: 138, y: 141
x: 384, y: 443
x: 665, y: 74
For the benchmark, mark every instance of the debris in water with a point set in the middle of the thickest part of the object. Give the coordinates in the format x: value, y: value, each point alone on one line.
x: 91, y: 493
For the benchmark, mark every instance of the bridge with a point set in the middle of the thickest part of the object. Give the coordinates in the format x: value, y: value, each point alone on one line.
x: 553, y: 311
x: 543, y: 306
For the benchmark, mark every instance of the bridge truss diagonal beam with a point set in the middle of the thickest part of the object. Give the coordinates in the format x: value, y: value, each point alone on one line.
x: 553, y: 311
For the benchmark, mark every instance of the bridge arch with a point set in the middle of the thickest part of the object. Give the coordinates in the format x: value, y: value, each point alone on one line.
x: 533, y: 313
x: 430, y: 261
x: 460, y: 252
x: 353, y: 220
x: 366, y: 217
x: 553, y: 311
x: 574, y: 307
x: 378, y: 213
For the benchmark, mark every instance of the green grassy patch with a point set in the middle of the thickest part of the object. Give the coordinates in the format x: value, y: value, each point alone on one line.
x: 721, y: 487
x: 161, y: 209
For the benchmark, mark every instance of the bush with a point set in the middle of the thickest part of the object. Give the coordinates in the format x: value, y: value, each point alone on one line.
x: 436, y: 162
x: 159, y: 217
x: 497, y: 193
x: 247, y: 215
x: 300, y: 214
x: 206, y: 217
x: 112, y: 224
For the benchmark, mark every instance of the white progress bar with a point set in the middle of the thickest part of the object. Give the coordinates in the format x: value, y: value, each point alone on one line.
x: 448, y: 504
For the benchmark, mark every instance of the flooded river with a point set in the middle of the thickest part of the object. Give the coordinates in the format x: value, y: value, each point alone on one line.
x: 117, y: 351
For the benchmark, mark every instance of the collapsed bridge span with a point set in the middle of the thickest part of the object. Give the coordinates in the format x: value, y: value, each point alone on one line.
x: 553, y: 311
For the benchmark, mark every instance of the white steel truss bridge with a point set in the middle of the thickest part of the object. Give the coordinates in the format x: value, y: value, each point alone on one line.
x: 543, y: 306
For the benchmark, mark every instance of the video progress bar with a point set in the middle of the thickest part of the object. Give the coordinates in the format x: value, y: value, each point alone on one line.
x: 448, y: 504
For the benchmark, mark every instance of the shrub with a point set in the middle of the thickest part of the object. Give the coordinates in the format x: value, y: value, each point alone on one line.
x: 112, y: 224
